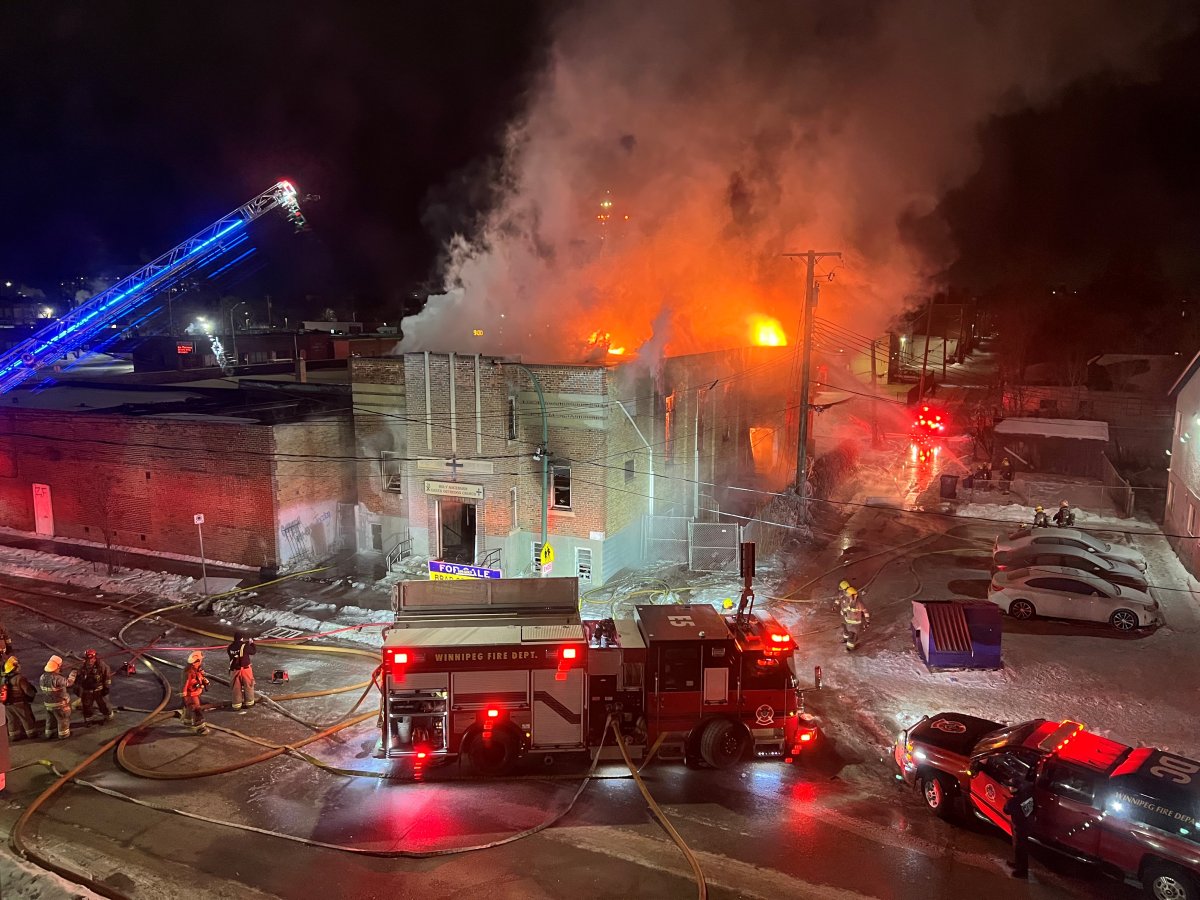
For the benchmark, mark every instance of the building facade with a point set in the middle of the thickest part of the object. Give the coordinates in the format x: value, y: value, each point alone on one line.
x: 1181, y: 518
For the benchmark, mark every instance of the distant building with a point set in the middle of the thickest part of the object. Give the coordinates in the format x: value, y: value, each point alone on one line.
x: 1180, y: 521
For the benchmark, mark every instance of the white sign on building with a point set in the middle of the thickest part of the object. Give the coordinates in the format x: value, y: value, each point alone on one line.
x: 454, y: 489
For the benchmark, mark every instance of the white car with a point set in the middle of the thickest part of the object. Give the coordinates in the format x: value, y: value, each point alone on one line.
x: 1068, y: 537
x: 1061, y: 593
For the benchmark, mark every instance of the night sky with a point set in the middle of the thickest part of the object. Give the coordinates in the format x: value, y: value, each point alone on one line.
x: 129, y: 126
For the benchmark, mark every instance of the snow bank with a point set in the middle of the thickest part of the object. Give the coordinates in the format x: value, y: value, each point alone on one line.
x: 83, y: 573
x: 1022, y: 513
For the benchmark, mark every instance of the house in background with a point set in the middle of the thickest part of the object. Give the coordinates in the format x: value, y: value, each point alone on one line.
x: 1183, y: 477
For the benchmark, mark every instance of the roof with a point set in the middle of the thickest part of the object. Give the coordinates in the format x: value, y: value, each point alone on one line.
x: 1186, y: 375
x: 1069, y: 429
x: 481, y: 636
x: 1093, y: 751
x: 682, y: 622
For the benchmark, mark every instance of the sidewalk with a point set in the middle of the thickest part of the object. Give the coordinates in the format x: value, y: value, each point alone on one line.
x: 126, y: 559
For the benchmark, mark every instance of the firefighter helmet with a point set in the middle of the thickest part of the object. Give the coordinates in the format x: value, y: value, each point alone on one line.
x: 195, y: 656
x: 1039, y: 509
x: 54, y: 663
x: 843, y: 586
x: 851, y: 592
x: 10, y: 665
x: 89, y: 654
x: 1064, y: 504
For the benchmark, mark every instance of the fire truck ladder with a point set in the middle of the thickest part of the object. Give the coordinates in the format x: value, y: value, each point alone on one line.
x: 85, y: 323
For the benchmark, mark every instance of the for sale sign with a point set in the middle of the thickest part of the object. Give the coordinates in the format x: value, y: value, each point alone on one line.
x: 444, y: 571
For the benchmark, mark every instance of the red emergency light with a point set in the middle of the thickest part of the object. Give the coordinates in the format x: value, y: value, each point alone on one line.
x: 569, y: 652
x: 781, y: 639
x: 400, y: 659
x: 493, y: 713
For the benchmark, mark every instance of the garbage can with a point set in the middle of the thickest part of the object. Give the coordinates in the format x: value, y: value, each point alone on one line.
x: 949, y: 487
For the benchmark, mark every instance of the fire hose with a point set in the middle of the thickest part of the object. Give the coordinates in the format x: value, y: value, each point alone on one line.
x: 275, y: 750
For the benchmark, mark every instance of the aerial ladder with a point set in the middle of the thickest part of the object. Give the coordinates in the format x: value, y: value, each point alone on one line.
x: 84, y: 324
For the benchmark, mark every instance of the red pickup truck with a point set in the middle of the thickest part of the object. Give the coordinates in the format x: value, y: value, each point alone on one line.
x: 1133, y: 811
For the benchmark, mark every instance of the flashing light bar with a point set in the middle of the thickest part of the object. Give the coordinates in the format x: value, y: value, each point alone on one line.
x: 781, y: 638
x: 1061, y: 736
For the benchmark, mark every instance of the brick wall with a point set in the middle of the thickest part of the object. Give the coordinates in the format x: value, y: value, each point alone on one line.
x: 314, y: 487
x: 142, y: 480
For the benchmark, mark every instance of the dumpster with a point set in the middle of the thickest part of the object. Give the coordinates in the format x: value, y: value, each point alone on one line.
x: 957, y: 634
x: 949, y: 487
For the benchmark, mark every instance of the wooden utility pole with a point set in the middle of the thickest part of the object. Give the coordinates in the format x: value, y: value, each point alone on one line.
x: 811, y: 258
x: 925, y: 358
x: 874, y: 398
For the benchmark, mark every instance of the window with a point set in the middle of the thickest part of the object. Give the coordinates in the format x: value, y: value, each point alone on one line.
x: 512, y: 418
x: 680, y: 669
x: 514, y: 510
x: 628, y: 470
x: 389, y: 472
x: 1071, y: 783
x: 537, y: 557
x: 669, y: 427
x: 562, y: 487
x: 583, y: 564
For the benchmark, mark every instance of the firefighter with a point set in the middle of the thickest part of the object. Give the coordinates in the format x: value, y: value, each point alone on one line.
x: 5, y: 640
x: 1019, y: 809
x: 194, y: 683
x: 1006, y: 474
x: 1040, y: 519
x: 54, y: 686
x: 19, y: 695
x: 93, y: 685
x: 843, y: 595
x: 241, y: 675
x: 855, y: 618
x: 1065, y: 517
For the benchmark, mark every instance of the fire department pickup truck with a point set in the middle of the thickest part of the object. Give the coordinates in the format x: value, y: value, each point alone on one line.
x: 1133, y: 811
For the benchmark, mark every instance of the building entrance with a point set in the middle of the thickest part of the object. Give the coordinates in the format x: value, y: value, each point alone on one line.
x: 457, y: 527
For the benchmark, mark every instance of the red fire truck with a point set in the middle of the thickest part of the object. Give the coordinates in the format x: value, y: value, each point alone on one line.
x: 495, y: 670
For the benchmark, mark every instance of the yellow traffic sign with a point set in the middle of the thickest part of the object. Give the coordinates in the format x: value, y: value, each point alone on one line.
x: 547, y: 555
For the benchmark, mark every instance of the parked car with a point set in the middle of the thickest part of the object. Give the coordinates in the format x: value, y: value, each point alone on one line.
x: 1064, y: 537
x: 1132, y: 811
x: 1061, y: 593
x: 1075, y: 558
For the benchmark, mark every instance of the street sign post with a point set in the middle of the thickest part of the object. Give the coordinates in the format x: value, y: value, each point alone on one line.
x: 198, y: 518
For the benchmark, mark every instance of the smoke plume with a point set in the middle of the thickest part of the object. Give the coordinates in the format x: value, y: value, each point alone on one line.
x: 671, y: 152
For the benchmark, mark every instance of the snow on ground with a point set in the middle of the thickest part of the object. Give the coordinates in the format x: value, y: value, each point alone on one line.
x: 118, y: 550
x: 305, y: 616
x: 1015, y: 511
x: 21, y: 880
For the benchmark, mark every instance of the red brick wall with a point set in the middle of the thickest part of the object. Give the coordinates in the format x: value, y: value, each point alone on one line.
x: 314, y: 477
x: 142, y: 479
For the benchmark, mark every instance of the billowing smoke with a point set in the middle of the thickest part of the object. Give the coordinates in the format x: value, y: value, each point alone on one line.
x: 671, y: 152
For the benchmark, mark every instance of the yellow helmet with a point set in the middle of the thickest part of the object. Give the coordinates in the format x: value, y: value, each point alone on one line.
x: 853, y: 592
x: 843, y: 585
x: 727, y: 603
x: 1039, y: 509
x: 10, y: 664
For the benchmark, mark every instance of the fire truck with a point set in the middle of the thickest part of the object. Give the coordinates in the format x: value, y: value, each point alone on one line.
x: 496, y: 670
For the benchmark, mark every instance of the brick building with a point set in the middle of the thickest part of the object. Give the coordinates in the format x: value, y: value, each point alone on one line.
x: 450, y: 461
x: 271, y: 471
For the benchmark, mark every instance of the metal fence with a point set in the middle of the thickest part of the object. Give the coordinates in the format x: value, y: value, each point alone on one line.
x: 1116, y: 487
x: 713, y: 546
x: 667, y: 538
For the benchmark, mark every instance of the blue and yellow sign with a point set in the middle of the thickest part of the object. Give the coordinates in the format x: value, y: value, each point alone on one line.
x: 444, y: 571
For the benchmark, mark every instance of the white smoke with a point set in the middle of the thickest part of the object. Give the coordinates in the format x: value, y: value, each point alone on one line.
x: 730, y: 133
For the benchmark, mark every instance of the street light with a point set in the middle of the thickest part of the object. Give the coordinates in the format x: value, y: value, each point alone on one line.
x: 233, y: 330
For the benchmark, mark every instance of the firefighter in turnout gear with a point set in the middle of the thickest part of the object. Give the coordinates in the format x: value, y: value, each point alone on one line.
x: 1040, y: 519
x: 1065, y: 517
x: 93, y: 684
x: 855, y: 619
x: 19, y: 695
x: 194, y: 683
x: 54, y: 686
x: 241, y: 674
x: 843, y: 595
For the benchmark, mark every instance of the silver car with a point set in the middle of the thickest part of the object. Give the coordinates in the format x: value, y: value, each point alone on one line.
x: 1075, y: 558
x: 1061, y: 593
x: 1064, y: 537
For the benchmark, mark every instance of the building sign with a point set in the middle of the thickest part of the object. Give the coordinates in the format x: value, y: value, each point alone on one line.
x: 454, y: 489
x: 183, y: 349
x: 444, y: 571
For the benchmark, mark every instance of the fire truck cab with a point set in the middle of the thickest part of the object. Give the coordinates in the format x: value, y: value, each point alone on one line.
x: 499, y: 669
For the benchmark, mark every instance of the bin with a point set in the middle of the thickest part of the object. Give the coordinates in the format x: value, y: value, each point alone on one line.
x: 949, y: 487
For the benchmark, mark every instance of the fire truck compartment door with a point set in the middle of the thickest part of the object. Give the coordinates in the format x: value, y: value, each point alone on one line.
x: 716, y: 685
x: 557, y: 708
x: 506, y: 688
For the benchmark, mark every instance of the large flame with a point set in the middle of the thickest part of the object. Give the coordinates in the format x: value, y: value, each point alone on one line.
x: 767, y: 331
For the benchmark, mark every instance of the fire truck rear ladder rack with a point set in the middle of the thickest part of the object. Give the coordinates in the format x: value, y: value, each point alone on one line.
x: 87, y: 322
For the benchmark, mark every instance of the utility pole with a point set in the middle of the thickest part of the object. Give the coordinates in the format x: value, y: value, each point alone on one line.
x: 925, y: 358
x: 874, y: 397
x: 811, y: 258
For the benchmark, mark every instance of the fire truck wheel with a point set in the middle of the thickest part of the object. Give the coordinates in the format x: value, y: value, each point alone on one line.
x: 495, y: 755
x: 722, y: 743
x: 1167, y: 882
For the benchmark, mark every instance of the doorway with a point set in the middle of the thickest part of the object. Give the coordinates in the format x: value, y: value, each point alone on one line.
x: 457, y: 530
x: 43, y: 510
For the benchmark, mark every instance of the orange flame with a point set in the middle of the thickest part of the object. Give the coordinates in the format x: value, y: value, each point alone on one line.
x: 766, y: 331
